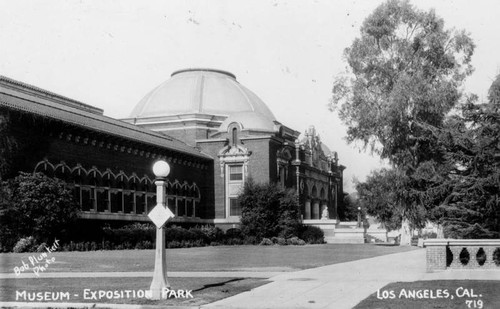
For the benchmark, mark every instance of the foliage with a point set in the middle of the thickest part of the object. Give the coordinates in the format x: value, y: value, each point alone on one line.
x: 469, y: 190
x: 27, y: 244
x: 312, y: 234
x: 295, y: 241
x: 212, y: 232
x: 349, y: 209
x: 380, y: 195
x: 268, y: 210
x: 266, y: 242
x: 36, y: 205
x: 406, y: 70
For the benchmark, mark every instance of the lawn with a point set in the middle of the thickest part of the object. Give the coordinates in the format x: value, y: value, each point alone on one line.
x: 204, y: 290
x: 435, y: 294
x: 221, y: 258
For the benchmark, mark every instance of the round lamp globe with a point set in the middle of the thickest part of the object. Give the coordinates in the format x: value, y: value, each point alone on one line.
x: 161, y: 169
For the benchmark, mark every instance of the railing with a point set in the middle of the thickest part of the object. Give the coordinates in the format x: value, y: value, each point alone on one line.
x: 462, y: 254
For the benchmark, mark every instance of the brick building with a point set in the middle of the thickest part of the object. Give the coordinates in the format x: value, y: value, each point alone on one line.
x: 214, y: 132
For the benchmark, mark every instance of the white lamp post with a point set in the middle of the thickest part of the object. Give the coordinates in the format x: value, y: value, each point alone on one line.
x: 359, y: 216
x: 160, y: 215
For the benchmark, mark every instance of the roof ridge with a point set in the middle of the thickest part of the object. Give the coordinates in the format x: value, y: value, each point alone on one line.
x: 47, y: 92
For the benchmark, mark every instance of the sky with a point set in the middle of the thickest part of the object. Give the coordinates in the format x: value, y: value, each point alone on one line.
x: 110, y: 54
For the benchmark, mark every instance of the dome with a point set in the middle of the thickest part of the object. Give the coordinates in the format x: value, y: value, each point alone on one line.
x: 250, y: 121
x: 205, y: 91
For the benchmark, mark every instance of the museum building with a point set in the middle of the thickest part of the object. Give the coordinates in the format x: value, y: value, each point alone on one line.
x: 214, y: 132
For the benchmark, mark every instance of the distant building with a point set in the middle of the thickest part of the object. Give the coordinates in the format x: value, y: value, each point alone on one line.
x: 214, y: 132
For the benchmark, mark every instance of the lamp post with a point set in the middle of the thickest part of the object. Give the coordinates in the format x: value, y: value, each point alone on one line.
x: 359, y: 216
x: 160, y: 215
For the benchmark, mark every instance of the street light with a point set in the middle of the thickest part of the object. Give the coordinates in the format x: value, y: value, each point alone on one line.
x: 359, y: 216
x: 160, y: 215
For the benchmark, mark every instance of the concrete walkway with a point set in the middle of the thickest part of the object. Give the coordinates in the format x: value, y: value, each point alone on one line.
x: 343, y: 285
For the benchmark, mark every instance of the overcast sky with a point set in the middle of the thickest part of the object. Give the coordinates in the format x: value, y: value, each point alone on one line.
x: 110, y: 54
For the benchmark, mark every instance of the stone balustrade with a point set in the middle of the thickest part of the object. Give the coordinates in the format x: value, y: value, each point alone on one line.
x: 445, y: 254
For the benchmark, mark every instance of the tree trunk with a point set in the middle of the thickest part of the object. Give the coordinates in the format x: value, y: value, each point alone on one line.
x: 405, y: 233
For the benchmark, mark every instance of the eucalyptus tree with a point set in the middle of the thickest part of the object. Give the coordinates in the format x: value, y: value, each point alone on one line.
x: 405, y: 70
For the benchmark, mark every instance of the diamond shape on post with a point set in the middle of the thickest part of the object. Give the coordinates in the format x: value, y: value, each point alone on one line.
x: 160, y: 215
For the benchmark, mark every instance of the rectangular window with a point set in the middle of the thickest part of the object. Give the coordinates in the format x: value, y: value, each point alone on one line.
x: 234, y: 207
x: 236, y: 172
x: 139, y: 203
x: 102, y: 200
x: 87, y: 199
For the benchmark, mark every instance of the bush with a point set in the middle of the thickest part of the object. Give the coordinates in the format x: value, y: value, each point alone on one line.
x: 280, y: 241
x: 199, y: 237
x: 213, y: 233
x: 268, y: 210
x: 174, y: 244
x: 266, y: 242
x: 38, y: 206
x: 145, y: 244
x: 312, y: 234
x: 250, y: 240
x: 27, y: 244
x: 233, y: 233
x: 295, y: 241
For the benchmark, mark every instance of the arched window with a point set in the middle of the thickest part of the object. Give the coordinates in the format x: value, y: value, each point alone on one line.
x: 235, y: 136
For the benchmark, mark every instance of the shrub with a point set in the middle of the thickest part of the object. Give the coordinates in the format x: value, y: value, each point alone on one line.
x: 198, y: 236
x: 27, y: 244
x: 145, y: 244
x: 280, y: 241
x: 213, y: 233
x: 39, y: 206
x: 266, y: 242
x: 250, y: 240
x: 268, y: 210
x: 233, y: 241
x: 131, y: 234
x: 174, y: 244
x: 295, y: 241
x: 233, y: 233
x: 312, y: 234
x: 178, y: 234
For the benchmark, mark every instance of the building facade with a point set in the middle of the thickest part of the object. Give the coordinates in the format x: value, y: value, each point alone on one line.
x: 214, y: 132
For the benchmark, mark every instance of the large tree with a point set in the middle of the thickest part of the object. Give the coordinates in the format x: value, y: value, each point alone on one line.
x: 405, y: 70
x: 469, y: 193
x: 380, y: 196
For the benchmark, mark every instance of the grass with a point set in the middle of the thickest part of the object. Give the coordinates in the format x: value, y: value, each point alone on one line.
x: 459, y: 294
x: 204, y: 290
x: 222, y: 258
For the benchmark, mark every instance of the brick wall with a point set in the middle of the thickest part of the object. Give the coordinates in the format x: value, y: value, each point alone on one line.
x: 40, y: 139
x: 462, y: 254
x: 436, y: 258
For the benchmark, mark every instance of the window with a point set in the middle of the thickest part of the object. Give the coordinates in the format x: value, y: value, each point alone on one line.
x: 235, y: 172
x: 234, y: 207
x: 235, y: 136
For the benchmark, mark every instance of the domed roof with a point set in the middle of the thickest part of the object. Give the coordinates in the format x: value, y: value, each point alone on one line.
x: 205, y: 91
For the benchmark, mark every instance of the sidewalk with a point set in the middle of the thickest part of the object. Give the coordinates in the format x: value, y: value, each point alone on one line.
x: 343, y: 285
